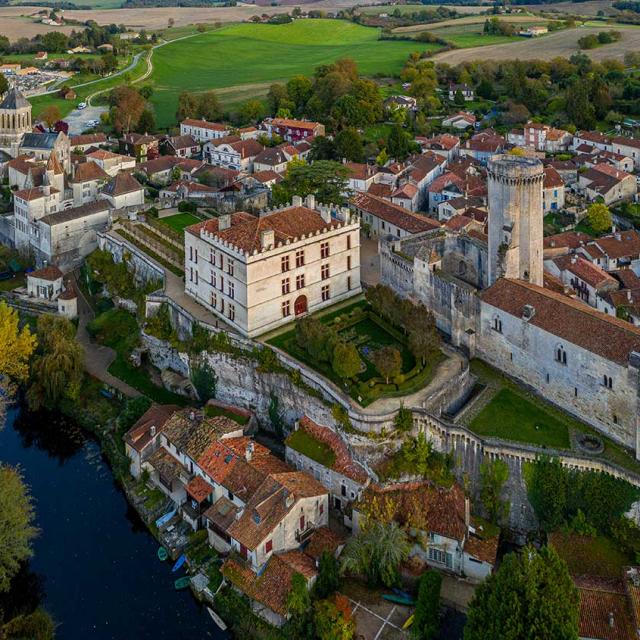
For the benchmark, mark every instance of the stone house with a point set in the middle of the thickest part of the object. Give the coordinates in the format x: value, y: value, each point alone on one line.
x: 203, y: 130
x: 111, y: 163
x: 552, y: 190
x: 87, y: 181
x: 292, y: 130
x: 608, y: 183
x: 460, y: 121
x: 86, y: 141
x: 258, y: 273
x: 45, y: 283
x: 184, y: 146
x: 343, y: 477
x: 143, y: 438
x: 438, y: 522
x: 232, y: 152
x: 466, y: 91
x: 142, y: 146
x: 384, y: 218
x: 123, y: 191
x: 445, y: 145
x: 618, y: 250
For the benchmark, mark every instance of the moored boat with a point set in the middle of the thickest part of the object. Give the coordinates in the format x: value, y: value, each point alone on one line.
x: 182, y: 583
x: 217, y: 619
x: 163, y: 554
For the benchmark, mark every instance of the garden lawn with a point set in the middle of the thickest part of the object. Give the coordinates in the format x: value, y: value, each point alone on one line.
x: 512, y: 416
x: 308, y: 446
x: 179, y: 221
x: 585, y: 555
x: 253, y: 56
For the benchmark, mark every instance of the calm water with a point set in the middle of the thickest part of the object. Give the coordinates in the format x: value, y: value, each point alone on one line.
x: 94, y: 567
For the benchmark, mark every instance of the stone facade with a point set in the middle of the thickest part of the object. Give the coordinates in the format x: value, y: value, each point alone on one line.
x: 515, y: 218
x: 144, y: 269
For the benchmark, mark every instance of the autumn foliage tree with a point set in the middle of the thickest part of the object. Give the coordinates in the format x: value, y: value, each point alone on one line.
x: 17, y: 345
x: 50, y: 115
x: 388, y: 361
x: 127, y: 106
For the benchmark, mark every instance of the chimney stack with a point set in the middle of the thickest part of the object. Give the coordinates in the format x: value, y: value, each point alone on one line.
x: 310, y: 202
x: 248, y: 454
x: 224, y: 222
x: 267, y: 239
x: 611, y: 619
x: 296, y: 201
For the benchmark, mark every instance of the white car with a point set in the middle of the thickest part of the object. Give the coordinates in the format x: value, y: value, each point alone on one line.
x: 82, y: 105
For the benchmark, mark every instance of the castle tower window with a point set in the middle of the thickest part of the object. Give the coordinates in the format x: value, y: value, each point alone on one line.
x: 561, y: 355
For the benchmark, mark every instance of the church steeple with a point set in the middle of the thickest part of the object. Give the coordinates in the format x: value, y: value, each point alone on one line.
x: 15, y: 120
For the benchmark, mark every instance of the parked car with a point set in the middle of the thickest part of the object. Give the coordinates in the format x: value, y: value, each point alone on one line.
x: 82, y: 105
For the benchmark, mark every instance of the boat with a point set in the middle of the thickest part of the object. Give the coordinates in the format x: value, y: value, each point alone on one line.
x: 182, y: 583
x: 409, y: 621
x: 179, y: 562
x: 396, y: 599
x: 401, y: 593
x: 165, y: 518
x: 163, y: 554
x: 217, y: 619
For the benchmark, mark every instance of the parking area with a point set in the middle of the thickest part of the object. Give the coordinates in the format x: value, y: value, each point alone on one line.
x: 78, y: 119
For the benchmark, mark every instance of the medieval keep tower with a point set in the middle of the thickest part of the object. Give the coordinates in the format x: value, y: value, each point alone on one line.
x: 515, y: 218
x: 15, y: 120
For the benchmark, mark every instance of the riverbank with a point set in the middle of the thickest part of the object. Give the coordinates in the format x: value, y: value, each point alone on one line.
x: 94, y: 557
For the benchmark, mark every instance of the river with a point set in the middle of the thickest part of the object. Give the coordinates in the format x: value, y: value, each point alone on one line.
x: 94, y: 566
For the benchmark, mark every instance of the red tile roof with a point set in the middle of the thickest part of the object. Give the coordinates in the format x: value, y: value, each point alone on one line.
x: 567, y: 239
x: 50, y: 272
x: 204, y: 124
x: 624, y: 244
x: 570, y: 320
x: 393, y: 213
x: 552, y: 179
x: 588, y: 272
x: 199, y: 489
x: 420, y: 505
x: 139, y: 436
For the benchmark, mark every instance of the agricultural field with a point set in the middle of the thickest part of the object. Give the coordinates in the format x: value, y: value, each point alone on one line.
x: 410, y: 8
x: 241, y: 61
x: 561, y: 43
x: 472, y: 20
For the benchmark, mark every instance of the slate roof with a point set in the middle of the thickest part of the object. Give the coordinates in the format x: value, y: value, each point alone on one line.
x: 66, y: 215
x: 39, y: 140
x: 608, y: 337
x: 14, y: 99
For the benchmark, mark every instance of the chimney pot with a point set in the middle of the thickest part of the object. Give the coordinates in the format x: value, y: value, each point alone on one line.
x: 296, y: 201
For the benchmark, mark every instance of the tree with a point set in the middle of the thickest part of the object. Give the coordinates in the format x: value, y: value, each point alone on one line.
x: 133, y: 411
x: 387, y: 361
x: 298, y: 606
x: 55, y: 42
x: 377, y: 553
x: 57, y: 370
x: 493, y: 475
x: 127, y: 106
x: 50, y: 115
x: 346, y: 361
x: 252, y: 111
x: 424, y: 339
x: 578, y: 105
x: 547, y: 488
x: 188, y: 106
x: 426, y: 623
x: 322, y: 148
x: 599, y: 217
x: 332, y: 619
x: 147, y: 122
x: 328, y: 580
x: 204, y: 379
x: 326, y: 179
x: 16, y: 524
x: 399, y: 143
x: 37, y: 625
x: 4, y: 84
x: 348, y: 144
x: 458, y: 98
x: 531, y: 596
x: 403, y: 420
x: 17, y: 345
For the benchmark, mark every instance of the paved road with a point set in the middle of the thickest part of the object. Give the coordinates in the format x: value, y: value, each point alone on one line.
x: 78, y: 119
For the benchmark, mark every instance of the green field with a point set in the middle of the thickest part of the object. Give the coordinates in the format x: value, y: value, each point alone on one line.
x: 179, y: 221
x: 241, y: 61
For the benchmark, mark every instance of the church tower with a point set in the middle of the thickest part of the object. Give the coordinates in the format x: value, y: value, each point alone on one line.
x: 15, y: 120
x: 515, y: 218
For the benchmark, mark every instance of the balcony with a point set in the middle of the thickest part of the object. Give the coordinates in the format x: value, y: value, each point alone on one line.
x: 303, y: 535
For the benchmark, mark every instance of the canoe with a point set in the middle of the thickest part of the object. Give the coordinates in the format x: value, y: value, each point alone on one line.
x: 179, y: 562
x: 182, y: 583
x: 392, y: 597
x: 163, y: 554
x: 165, y: 518
x: 217, y: 619
x: 409, y: 621
x: 401, y: 593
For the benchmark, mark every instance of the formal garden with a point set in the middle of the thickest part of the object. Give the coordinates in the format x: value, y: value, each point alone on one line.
x: 383, y: 346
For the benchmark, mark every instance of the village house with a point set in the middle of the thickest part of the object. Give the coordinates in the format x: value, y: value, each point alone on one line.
x: 361, y: 176
x: 203, y: 130
x: 461, y: 120
x: 141, y: 146
x: 86, y: 141
x: 122, y: 191
x: 606, y: 182
x: 232, y: 152
x: 271, y: 159
x: 543, y: 137
x: 629, y: 147
x: 587, y: 279
x: 42, y: 145
x: 142, y: 439
x: 406, y: 103
x: 482, y: 146
x: 552, y: 190
x: 111, y: 163
x: 258, y: 273
x: 181, y: 146
x: 458, y: 206
x: 618, y: 250
x: 87, y: 181
x: 292, y: 130
x: 380, y: 217
x: 465, y: 90
x: 164, y: 169
x: 344, y: 477
x: 445, y: 145
x: 439, y: 523
x: 45, y: 283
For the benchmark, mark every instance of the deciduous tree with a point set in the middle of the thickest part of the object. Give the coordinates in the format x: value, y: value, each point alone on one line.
x: 18, y: 344
x: 599, y: 217
x: 426, y: 624
x: 493, y: 476
x: 50, y: 115
x: 387, y: 361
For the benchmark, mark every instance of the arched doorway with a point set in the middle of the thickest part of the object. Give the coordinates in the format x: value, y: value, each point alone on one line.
x: 300, y: 305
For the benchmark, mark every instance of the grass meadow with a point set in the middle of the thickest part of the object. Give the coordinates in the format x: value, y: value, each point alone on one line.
x: 241, y: 61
